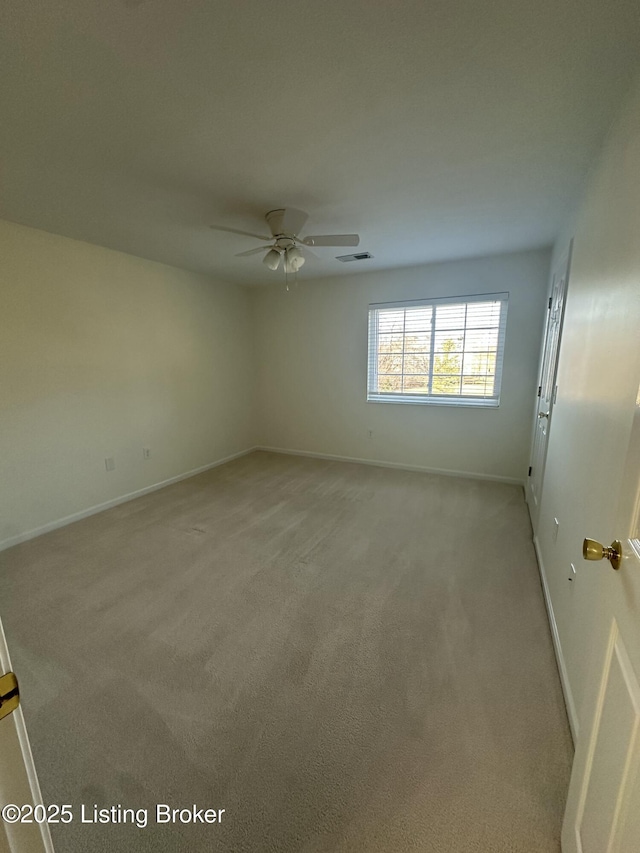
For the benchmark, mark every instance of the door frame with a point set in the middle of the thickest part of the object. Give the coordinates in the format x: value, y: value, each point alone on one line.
x: 18, y: 778
x: 560, y: 270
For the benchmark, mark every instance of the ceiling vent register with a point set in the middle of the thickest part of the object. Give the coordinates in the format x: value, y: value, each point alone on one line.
x: 359, y: 256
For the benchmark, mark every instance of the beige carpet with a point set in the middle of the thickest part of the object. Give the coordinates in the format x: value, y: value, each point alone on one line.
x: 344, y: 657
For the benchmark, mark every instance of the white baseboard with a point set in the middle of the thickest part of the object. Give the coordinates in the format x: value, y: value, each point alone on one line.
x: 399, y: 465
x: 562, y: 666
x: 84, y: 513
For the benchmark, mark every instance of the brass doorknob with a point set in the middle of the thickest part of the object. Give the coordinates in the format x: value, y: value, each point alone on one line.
x: 592, y: 550
x: 543, y: 414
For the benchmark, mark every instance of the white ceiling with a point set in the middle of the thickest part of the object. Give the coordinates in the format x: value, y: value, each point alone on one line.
x: 436, y: 129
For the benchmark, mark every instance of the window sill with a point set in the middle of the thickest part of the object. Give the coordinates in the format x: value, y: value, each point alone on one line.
x: 436, y: 401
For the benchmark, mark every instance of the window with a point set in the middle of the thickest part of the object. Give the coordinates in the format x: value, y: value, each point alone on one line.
x: 445, y: 351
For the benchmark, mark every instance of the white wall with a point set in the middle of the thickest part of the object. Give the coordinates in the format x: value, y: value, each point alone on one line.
x: 312, y: 357
x: 102, y: 353
x: 593, y: 415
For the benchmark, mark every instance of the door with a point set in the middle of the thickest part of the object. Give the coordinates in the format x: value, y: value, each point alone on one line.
x: 18, y: 780
x: 547, y: 385
x: 603, y: 807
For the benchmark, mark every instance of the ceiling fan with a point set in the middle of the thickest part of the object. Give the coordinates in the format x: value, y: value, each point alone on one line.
x: 285, y: 244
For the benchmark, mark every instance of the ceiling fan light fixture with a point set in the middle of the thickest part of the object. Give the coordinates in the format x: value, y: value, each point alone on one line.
x: 294, y: 259
x: 288, y: 245
x: 272, y: 259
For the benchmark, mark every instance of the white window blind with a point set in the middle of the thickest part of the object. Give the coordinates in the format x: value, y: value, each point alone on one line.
x: 446, y: 351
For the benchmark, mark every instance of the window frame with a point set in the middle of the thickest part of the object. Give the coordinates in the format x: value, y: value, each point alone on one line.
x: 459, y: 401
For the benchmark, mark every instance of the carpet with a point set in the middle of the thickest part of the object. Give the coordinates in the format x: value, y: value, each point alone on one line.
x: 342, y: 657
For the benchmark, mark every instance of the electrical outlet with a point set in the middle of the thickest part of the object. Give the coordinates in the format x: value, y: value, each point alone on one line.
x: 146, y: 453
x: 556, y: 525
x: 110, y: 463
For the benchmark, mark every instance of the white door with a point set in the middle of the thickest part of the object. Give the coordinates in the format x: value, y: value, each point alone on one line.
x: 18, y: 781
x: 603, y: 807
x: 547, y: 385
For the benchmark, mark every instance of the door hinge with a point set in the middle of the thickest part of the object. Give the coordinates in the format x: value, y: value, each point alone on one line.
x: 530, y: 469
x: 9, y: 694
x: 539, y: 390
x: 550, y: 303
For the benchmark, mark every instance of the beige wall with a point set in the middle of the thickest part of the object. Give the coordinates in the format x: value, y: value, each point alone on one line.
x: 102, y: 354
x: 312, y: 357
x: 597, y: 386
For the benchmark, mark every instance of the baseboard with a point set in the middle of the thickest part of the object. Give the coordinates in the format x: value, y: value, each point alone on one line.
x: 562, y: 666
x: 399, y: 465
x: 84, y: 513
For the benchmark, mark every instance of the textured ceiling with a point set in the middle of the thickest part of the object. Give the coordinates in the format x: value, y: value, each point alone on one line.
x: 437, y: 129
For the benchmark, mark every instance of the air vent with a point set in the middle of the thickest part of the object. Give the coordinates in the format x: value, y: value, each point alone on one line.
x: 359, y: 256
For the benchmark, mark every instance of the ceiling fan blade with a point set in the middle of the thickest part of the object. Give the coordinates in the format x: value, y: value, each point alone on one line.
x: 252, y: 252
x: 332, y: 240
x: 293, y: 220
x: 236, y: 231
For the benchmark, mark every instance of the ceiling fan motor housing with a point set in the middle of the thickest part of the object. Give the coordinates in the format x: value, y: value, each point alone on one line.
x: 275, y: 219
x: 285, y: 243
